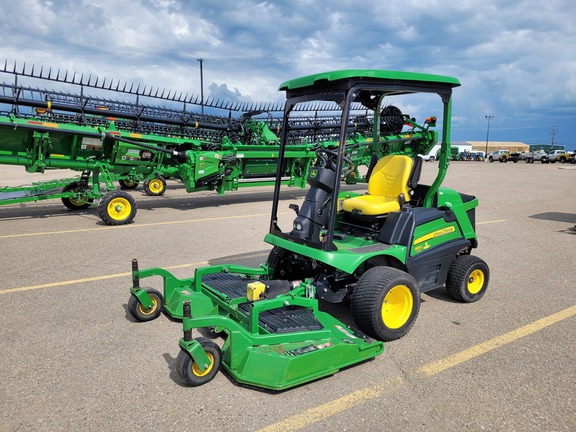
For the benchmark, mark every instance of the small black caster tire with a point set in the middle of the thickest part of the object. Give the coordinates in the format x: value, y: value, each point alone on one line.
x: 140, y: 313
x: 189, y: 370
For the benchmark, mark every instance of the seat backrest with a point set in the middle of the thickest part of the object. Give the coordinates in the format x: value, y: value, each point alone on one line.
x: 390, y: 177
x: 416, y: 172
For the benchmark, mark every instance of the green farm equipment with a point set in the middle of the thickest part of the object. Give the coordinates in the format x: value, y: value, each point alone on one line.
x: 134, y: 142
x: 379, y: 251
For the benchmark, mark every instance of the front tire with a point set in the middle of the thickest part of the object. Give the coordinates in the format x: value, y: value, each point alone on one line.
x: 467, y: 278
x: 117, y: 208
x: 385, y: 303
x: 189, y: 370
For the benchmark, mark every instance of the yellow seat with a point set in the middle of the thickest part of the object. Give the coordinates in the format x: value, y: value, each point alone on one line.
x: 388, y: 180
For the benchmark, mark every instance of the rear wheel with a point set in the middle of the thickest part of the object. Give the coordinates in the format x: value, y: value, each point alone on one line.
x: 189, y: 370
x: 117, y: 208
x: 467, y: 278
x: 75, y: 203
x: 385, y: 303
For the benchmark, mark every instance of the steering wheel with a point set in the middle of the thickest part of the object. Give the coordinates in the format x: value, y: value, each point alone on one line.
x: 328, y: 158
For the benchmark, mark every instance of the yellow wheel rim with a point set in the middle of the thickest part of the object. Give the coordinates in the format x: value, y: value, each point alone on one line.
x: 148, y: 311
x: 119, y: 208
x: 156, y: 186
x: 475, y: 281
x: 196, y: 370
x: 77, y: 202
x: 397, y: 307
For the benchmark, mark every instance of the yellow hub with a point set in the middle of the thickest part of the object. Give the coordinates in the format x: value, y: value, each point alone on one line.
x: 156, y: 186
x: 119, y: 208
x: 475, y: 281
x: 148, y: 311
x: 196, y: 370
x: 397, y: 307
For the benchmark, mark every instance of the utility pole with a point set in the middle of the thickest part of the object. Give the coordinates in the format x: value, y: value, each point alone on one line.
x: 487, y: 117
x: 201, y: 60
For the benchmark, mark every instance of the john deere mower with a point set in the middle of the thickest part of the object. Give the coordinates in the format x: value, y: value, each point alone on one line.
x: 377, y: 250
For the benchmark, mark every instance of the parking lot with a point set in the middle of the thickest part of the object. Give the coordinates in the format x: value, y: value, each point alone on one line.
x: 73, y: 359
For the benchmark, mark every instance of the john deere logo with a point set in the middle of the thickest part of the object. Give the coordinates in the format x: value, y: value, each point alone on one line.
x: 313, y: 173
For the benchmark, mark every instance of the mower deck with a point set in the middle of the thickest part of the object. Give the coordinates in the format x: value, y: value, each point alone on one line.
x: 274, y: 343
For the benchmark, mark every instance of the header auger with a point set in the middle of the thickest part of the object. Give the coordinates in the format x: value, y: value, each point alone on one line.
x: 155, y: 134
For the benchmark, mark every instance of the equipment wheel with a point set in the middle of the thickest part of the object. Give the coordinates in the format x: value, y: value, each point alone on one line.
x: 128, y: 184
x: 155, y: 186
x: 190, y: 372
x: 467, y: 278
x: 432, y: 158
x: 385, y: 303
x: 275, y: 257
x: 74, y: 203
x: 117, y: 208
x: 142, y: 314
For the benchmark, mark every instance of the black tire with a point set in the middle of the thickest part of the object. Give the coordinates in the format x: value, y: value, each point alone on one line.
x: 432, y: 158
x: 128, y: 184
x: 155, y: 186
x: 72, y: 203
x: 385, y: 303
x: 274, y: 261
x: 117, y: 208
x: 490, y: 159
x: 138, y: 312
x: 467, y: 278
x: 189, y: 370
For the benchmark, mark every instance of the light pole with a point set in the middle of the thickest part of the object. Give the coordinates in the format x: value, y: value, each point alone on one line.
x: 487, y: 117
x: 201, y: 85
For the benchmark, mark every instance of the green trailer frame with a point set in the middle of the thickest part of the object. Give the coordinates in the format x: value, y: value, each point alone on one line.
x: 110, y: 141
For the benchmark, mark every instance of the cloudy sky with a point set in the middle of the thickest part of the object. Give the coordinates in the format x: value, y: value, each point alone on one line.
x: 516, y: 59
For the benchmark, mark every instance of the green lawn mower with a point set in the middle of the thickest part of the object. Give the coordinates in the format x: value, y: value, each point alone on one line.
x: 378, y: 251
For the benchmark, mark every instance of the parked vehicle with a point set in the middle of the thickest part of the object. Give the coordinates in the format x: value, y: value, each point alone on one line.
x: 558, y: 156
x: 499, y: 155
x: 537, y: 155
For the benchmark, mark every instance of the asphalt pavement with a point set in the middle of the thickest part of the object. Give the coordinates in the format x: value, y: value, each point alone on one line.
x: 72, y: 358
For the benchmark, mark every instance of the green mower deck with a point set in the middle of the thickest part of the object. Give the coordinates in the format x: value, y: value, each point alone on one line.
x: 275, y: 343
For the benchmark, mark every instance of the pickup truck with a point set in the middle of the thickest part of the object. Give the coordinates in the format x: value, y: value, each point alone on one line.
x: 499, y: 155
x: 558, y: 156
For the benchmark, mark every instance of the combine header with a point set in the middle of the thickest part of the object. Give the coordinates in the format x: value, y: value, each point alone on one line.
x: 156, y: 135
